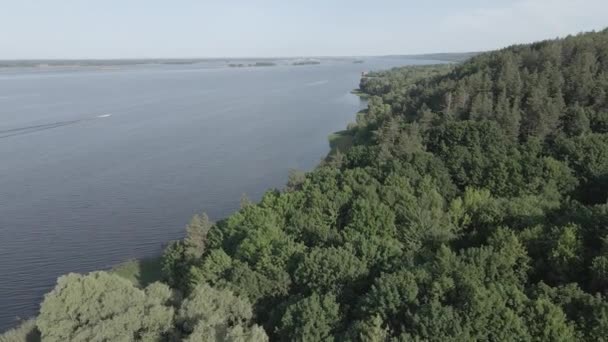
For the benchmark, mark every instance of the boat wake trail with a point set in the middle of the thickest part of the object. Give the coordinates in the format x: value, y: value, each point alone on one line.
x: 31, y: 129
x: 7, y: 133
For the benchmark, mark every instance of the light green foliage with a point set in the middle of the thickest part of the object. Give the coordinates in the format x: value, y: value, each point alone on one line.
x: 548, y: 323
x: 104, y: 307
x: 566, y: 252
x: 424, y: 217
x: 209, y: 314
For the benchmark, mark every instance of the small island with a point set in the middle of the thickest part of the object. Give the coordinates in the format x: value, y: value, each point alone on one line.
x: 256, y: 64
x: 307, y: 62
x: 263, y: 64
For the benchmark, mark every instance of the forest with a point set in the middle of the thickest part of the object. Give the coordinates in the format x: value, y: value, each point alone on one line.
x: 471, y: 206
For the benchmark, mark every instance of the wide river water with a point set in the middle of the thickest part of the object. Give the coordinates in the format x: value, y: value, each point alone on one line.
x: 100, y: 166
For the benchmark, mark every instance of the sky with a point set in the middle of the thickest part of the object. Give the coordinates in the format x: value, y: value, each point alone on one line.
x: 37, y: 29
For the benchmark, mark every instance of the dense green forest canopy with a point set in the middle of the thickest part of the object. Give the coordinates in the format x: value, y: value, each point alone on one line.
x: 471, y: 206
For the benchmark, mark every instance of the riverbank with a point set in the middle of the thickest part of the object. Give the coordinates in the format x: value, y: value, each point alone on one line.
x: 360, y: 93
x: 142, y: 186
x: 141, y: 272
x: 340, y: 142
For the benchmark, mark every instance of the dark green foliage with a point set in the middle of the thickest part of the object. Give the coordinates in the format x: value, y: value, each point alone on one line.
x: 326, y: 270
x: 588, y: 156
x: 478, y: 154
x: 180, y: 257
x: 311, y: 319
x: 576, y: 121
x: 390, y: 294
x: 174, y: 265
x: 469, y: 207
x: 370, y: 330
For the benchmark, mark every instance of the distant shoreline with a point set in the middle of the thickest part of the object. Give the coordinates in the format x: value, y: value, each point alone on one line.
x: 115, y: 63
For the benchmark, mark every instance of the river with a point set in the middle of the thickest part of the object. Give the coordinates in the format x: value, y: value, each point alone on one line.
x: 100, y: 166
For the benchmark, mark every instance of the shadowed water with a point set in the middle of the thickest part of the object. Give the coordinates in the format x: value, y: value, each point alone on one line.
x: 99, y: 166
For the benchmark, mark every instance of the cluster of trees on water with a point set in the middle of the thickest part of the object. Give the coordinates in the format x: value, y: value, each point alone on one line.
x: 306, y: 62
x: 256, y: 64
x: 471, y: 206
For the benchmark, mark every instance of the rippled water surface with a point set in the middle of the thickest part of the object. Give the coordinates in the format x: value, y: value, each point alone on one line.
x: 99, y: 166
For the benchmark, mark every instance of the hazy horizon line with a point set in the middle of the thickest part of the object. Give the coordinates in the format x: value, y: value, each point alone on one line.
x: 231, y: 57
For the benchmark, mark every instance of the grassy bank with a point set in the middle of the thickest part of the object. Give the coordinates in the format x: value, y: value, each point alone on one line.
x: 359, y: 93
x: 141, y: 272
x: 340, y: 141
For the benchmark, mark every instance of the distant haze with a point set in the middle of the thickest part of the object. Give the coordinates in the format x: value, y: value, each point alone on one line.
x: 192, y: 28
